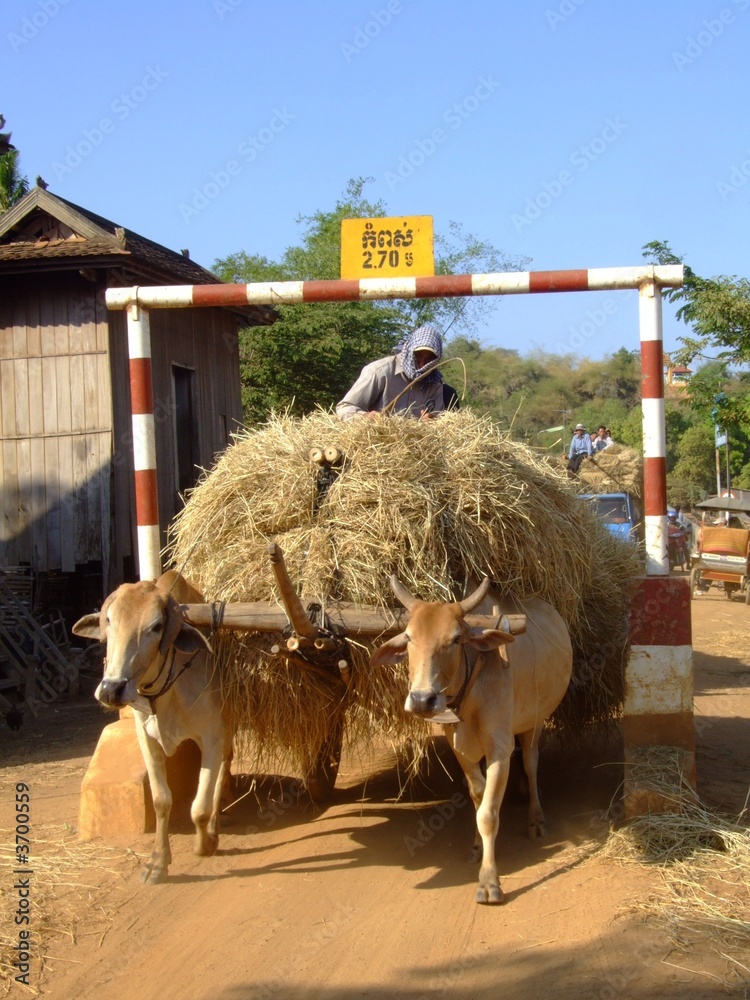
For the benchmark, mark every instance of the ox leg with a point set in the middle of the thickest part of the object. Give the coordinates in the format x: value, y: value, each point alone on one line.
x: 156, y: 765
x: 476, y: 780
x: 204, y: 811
x: 530, y: 750
x: 488, y: 822
x: 487, y: 795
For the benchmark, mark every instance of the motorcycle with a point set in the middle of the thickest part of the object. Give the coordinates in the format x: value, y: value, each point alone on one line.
x: 677, y: 546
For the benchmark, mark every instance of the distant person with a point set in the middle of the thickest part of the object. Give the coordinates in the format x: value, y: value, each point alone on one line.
x: 580, y: 448
x: 602, y: 439
x: 389, y: 380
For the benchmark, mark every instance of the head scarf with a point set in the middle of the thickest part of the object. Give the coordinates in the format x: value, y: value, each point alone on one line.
x: 426, y: 336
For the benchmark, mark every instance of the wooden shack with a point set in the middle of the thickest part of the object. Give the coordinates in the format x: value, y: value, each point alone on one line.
x: 66, y: 467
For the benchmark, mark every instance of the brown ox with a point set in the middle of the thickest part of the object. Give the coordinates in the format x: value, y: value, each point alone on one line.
x: 163, y: 667
x: 499, y: 698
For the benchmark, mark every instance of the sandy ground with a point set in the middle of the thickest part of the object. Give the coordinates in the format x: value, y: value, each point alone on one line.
x: 372, y: 897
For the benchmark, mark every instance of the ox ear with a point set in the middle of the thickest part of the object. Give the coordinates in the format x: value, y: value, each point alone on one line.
x: 392, y: 651
x: 485, y: 639
x: 175, y: 621
x: 189, y: 640
x: 88, y: 627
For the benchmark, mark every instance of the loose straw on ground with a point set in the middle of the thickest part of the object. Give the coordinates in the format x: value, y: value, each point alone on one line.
x: 703, y: 860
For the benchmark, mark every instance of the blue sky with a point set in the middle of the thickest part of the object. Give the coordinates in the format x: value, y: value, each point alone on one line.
x: 570, y: 132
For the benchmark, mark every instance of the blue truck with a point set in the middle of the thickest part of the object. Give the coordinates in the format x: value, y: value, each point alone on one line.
x: 619, y: 513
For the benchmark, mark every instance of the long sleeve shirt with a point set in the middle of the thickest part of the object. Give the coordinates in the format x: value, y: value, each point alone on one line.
x: 380, y: 382
x: 580, y: 446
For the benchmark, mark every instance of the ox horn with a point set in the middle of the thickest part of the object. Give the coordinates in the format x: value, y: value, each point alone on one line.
x: 402, y: 594
x: 474, y: 600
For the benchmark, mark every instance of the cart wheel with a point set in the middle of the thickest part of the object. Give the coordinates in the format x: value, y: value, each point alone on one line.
x: 322, y: 777
x: 729, y: 589
x: 695, y: 581
x: 747, y: 592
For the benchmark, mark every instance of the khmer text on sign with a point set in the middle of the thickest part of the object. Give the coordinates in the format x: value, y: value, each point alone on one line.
x: 387, y: 248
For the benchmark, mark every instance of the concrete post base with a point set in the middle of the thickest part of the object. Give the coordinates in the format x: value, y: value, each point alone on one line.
x: 115, y: 794
x: 658, y: 725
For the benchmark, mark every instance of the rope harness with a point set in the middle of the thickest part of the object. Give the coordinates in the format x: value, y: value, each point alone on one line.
x: 217, y: 616
x: 471, y: 672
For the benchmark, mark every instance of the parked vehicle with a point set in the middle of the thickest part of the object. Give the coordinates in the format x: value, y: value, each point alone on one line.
x: 619, y: 513
x: 678, y: 547
x: 724, y: 556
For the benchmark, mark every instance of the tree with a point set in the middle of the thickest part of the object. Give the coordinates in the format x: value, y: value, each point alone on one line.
x: 12, y: 185
x: 718, y: 310
x: 313, y: 354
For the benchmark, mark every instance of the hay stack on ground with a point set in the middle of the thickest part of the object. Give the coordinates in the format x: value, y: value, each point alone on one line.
x: 616, y: 469
x: 436, y: 502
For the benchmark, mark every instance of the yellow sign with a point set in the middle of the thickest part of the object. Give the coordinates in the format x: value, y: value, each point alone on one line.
x: 387, y: 248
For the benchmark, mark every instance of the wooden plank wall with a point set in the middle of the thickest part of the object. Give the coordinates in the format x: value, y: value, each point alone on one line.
x: 55, y: 422
x: 204, y: 341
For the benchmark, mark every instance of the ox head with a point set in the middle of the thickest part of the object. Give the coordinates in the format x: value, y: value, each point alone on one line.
x: 434, y: 640
x: 141, y: 624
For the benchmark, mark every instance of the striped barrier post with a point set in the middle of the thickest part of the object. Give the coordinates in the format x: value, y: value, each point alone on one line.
x: 144, y: 441
x: 658, y: 701
x: 658, y: 706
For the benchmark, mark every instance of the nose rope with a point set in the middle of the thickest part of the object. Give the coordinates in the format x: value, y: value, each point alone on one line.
x: 170, y: 679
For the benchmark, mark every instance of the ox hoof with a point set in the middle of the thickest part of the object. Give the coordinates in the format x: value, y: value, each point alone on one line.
x: 537, y: 830
x: 206, y: 846
x: 490, y: 894
x: 153, y: 876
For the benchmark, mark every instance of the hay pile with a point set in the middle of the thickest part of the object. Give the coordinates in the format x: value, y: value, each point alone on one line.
x: 703, y: 859
x: 76, y: 888
x: 617, y: 469
x: 436, y: 502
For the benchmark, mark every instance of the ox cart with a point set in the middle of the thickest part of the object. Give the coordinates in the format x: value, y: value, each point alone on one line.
x: 314, y: 639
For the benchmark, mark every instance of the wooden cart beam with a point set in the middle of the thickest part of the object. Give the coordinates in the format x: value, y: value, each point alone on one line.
x: 355, y: 619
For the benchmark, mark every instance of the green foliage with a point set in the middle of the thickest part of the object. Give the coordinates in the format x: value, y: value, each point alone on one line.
x: 460, y: 253
x: 13, y: 186
x: 718, y: 311
x: 311, y: 356
x: 696, y: 459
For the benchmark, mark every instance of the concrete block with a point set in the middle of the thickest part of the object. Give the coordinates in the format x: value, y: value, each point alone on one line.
x: 115, y: 794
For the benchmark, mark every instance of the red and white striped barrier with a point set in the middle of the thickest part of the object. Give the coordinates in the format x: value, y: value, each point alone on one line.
x: 272, y: 293
x: 649, y: 279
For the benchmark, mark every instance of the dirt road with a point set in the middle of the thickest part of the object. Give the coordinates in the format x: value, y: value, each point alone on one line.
x: 373, y: 897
